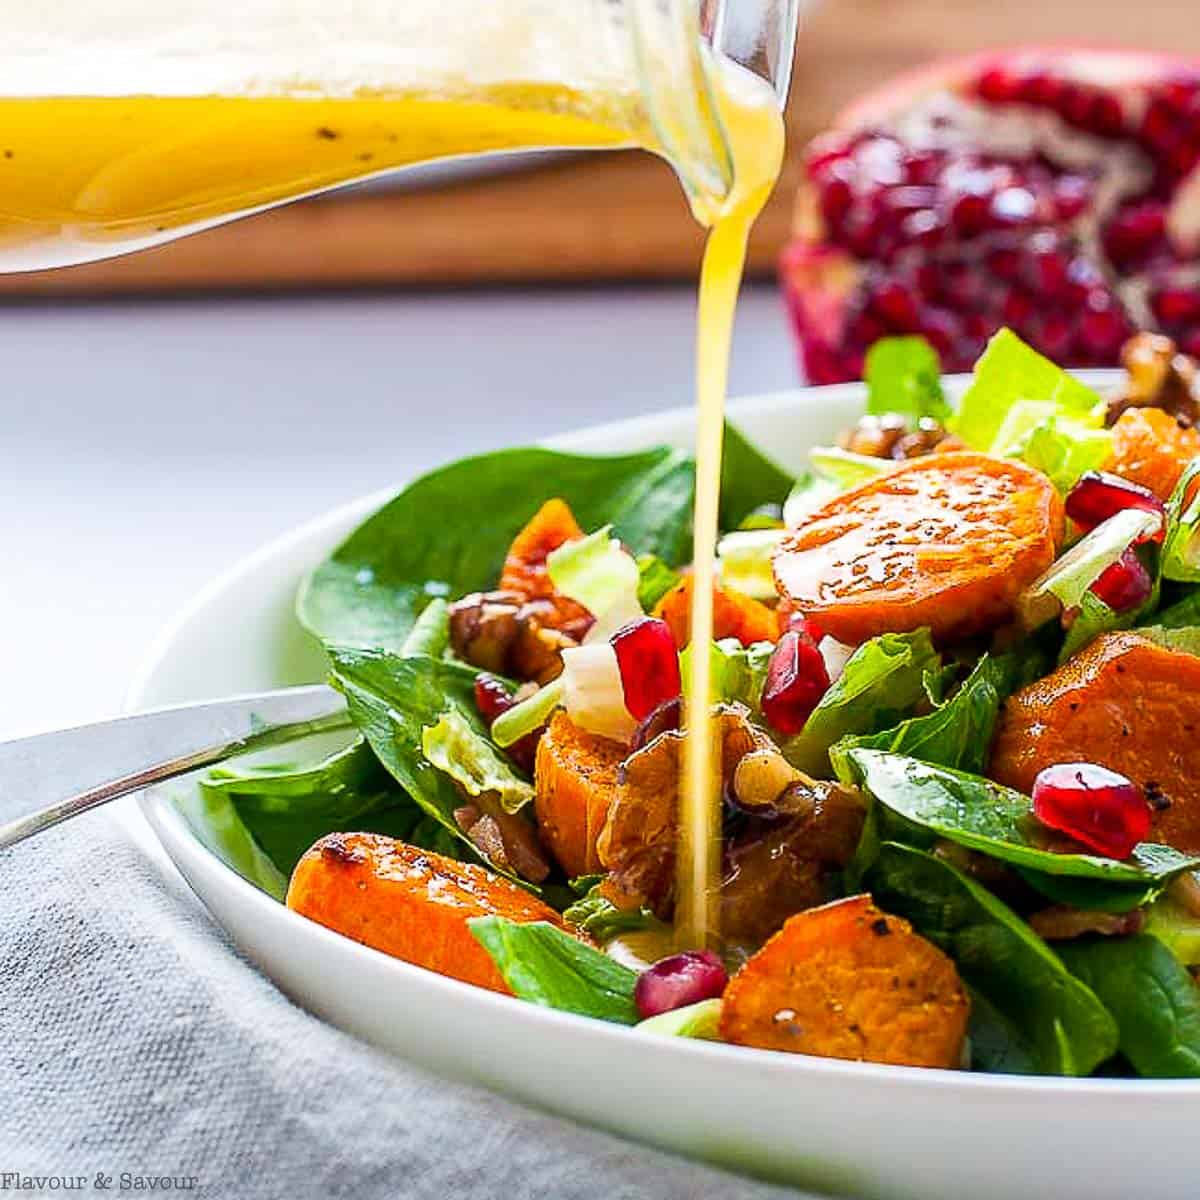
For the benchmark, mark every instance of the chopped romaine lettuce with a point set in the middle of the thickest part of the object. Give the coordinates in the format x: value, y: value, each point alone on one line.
x: 700, y: 1020
x: 1176, y: 927
x: 456, y: 747
x: 592, y: 691
x: 738, y: 671
x: 655, y: 580
x: 528, y: 715
x: 1064, y: 584
x: 745, y: 561
x: 1181, y: 550
x: 602, y: 920
x: 430, y: 634
x: 598, y: 573
x: 834, y: 472
x: 1065, y: 449
x: 1008, y: 373
x: 904, y: 375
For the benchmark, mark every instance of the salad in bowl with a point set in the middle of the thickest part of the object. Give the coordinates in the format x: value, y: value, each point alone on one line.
x: 956, y: 681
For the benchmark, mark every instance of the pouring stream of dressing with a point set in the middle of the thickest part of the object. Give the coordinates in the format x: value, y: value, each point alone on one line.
x: 755, y: 134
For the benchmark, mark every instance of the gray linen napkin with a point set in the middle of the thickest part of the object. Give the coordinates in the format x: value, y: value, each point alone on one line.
x: 134, y: 1040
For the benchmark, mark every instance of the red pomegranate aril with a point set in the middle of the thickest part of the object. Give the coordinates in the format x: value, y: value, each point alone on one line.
x: 1176, y: 305
x: 1103, y: 330
x: 796, y: 680
x: 1125, y: 585
x: 1012, y: 206
x: 679, y: 980
x: 649, y: 664
x: 1099, y: 495
x: 1055, y: 337
x: 1095, y: 806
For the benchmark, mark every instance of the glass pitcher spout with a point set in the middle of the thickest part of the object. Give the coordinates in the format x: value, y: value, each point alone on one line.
x: 125, y: 123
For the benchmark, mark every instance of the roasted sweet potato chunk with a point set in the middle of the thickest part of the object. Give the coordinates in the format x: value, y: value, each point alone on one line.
x: 735, y: 615
x: 947, y: 541
x: 1150, y: 447
x: 849, y: 981
x: 409, y: 903
x: 1127, y: 704
x: 576, y: 778
x: 525, y: 566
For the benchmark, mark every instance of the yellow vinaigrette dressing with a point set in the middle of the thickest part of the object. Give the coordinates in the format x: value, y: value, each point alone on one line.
x: 87, y: 177
x: 754, y: 130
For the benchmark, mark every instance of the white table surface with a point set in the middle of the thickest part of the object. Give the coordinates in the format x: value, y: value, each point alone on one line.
x: 145, y: 446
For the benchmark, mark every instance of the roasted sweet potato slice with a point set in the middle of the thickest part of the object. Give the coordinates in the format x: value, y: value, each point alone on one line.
x: 735, y: 615
x: 525, y: 566
x: 575, y: 776
x: 1150, y: 447
x: 849, y: 981
x: 1126, y: 703
x: 946, y: 541
x: 409, y: 903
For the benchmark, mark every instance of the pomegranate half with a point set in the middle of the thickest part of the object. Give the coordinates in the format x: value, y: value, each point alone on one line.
x: 1055, y: 191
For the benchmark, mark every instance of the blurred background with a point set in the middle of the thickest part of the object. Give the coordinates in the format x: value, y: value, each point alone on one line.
x: 609, y: 217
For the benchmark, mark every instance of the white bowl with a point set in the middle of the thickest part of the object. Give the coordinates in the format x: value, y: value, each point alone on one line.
x: 845, y: 1128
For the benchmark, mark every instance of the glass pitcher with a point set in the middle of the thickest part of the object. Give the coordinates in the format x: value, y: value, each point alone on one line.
x: 124, y: 123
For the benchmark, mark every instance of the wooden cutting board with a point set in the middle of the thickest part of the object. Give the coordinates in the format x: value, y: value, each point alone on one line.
x: 603, y: 216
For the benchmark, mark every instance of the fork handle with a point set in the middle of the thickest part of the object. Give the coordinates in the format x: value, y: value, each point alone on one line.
x: 51, y: 777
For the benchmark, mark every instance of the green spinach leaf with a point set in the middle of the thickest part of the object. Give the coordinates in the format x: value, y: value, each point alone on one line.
x: 904, y: 375
x: 286, y: 807
x: 958, y: 733
x: 881, y: 683
x: 546, y: 966
x: 392, y: 701
x: 921, y: 803
x: 749, y: 480
x: 447, y: 533
x: 1152, y: 996
x: 1056, y: 1023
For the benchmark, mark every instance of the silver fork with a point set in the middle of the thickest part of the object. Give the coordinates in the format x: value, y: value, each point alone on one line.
x: 50, y: 777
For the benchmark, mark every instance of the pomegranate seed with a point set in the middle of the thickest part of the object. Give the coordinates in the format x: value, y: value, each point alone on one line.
x: 1099, y: 495
x: 1106, y: 116
x: 895, y: 304
x: 796, y: 680
x: 1126, y: 584
x: 1134, y: 230
x: 998, y: 86
x: 1072, y: 194
x: 678, y: 981
x: 492, y: 699
x: 1013, y: 206
x: 1094, y: 805
x: 649, y: 665
x: 1055, y: 337
x: 1102, y: 328
x: 966, y: 223
x: 1176, y: 305
x: 836, y: 198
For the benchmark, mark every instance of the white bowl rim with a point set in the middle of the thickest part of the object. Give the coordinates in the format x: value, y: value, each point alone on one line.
x: 156, y: 811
